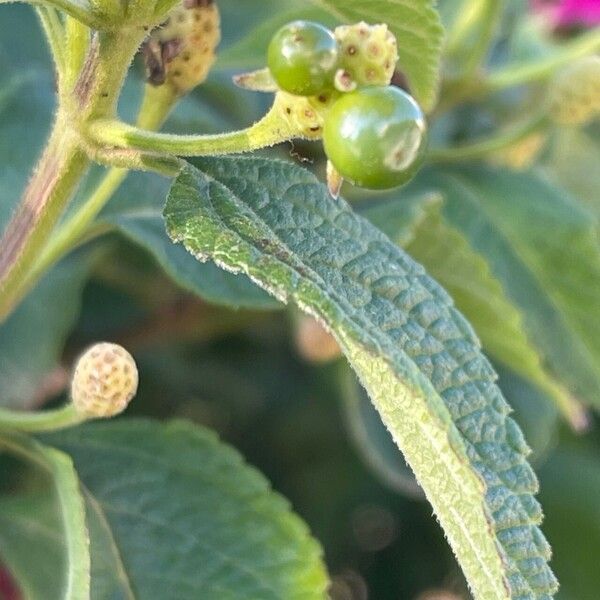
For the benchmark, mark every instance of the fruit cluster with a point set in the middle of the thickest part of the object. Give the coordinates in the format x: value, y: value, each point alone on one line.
x: 374, y: 134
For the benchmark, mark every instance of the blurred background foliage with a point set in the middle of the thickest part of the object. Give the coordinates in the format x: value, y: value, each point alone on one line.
x: 213, y: 348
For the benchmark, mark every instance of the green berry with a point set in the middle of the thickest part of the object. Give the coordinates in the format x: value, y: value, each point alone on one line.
x: 303, y: 57
x: 368, y: 55
x: 375, y: 137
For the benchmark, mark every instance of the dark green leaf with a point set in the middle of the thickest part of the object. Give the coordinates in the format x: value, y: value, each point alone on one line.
x: 183, y: 517
x: 542, y: 246
x: 415, y: 354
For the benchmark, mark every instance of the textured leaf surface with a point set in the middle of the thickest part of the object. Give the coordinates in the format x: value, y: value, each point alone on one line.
x: 450, y: 260
x: 187, y: 518
x: 543, y: 247
x: 418, y: 28
x: 414, y: 353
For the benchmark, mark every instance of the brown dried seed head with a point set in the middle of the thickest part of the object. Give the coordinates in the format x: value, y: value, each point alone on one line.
x: 104, y: 381
x: 181, y: 52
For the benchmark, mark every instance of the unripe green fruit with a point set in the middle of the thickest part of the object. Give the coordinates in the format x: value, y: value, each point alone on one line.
x: 302, y: 58
x: 181, y: 52
x: 368, y: 55
x: 375, y: 137
x: 574, y: 96
x: 104, y: 381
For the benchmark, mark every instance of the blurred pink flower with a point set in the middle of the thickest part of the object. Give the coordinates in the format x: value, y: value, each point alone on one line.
x: 569, y: 13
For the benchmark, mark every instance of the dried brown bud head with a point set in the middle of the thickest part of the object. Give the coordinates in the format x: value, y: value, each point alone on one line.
x: 181, y: 52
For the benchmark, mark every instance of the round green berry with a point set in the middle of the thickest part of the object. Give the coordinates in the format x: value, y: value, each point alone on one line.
x: 303, y: 58
x: 375, y: 137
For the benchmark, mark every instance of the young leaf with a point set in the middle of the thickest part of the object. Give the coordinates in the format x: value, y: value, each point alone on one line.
x: 414, y: 353
x: 543, y: 247
x: 417, y: 26
x: 75, y: 580
x: 187, y: 518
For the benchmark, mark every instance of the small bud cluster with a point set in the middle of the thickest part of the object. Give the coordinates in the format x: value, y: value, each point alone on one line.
x: 368, y: 55
x: 104, y: 381
x: 574, y: 97
x: 181, y: 52
x: 304, y: 114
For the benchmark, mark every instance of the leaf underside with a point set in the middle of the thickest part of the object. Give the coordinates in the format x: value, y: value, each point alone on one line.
x: 414, y: 353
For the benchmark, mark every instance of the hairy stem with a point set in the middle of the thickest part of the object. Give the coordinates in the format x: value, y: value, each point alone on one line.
x: 55, y: 34
x: 65, y: 161
x: 54, y: 180
x: 270, y: 130
x: 155, y: 108
x: 79, y: 9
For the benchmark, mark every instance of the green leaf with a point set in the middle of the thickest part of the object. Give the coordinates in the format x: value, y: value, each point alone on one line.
x: 417, y: 26
x: 74, y: 580
x: 136, y: 212
x: 450, y: 260
x: 543, y: 248
x: 183, y: 517
x: 399, y: 217
x: 414, y: 353
x: 32, y: 544
x: 373, y: 441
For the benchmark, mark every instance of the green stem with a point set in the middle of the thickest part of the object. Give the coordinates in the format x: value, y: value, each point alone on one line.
x: 582, y: 45
x: 270, y: 130
x: 64, y: 162
x: 77, y: 37
x: 46, y: 420
x: 55, y: 179
x: 488, y: 146
x: 156, y: 105
x: 55, y: 34
x: 78, y: 9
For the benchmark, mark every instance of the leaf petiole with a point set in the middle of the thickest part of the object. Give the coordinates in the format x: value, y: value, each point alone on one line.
x: 270, y: 130
x: 45, y: 420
